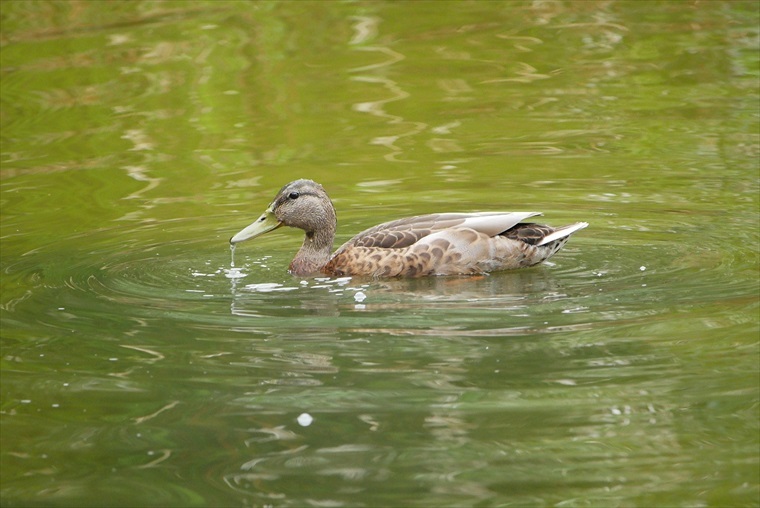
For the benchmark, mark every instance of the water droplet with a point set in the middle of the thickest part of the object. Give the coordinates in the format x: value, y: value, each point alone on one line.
x: 304, y: 419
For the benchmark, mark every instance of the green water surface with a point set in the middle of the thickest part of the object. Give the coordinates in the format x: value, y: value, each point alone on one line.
x: 138, y: 136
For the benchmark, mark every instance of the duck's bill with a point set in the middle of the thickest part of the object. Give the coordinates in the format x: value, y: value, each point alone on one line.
x: 267, y: 222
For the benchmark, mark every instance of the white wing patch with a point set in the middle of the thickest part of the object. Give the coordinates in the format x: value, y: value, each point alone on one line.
x: 493, y: 223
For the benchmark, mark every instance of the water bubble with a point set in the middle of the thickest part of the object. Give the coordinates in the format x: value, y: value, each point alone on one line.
x: 304, y: 419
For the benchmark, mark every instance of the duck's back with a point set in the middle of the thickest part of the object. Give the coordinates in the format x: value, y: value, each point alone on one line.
x: 446, y: 244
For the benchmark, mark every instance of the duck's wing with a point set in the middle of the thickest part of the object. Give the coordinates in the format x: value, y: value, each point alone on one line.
x: 403, y: 233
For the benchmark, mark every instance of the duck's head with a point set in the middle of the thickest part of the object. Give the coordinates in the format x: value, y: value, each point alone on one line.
x: 302, y: 204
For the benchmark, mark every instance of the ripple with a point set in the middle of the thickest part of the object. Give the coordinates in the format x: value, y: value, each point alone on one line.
x: 105, y: 278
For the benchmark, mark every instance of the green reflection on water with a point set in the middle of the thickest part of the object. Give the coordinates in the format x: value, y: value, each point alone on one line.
x: 138, y: 136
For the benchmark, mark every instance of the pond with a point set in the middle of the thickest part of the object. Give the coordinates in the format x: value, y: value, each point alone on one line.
x: 138, y: 137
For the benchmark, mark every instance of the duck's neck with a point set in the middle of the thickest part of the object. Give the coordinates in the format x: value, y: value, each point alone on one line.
x: 315, y: 251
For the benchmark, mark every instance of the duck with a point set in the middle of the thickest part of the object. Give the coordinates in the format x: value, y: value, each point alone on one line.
x: 423, y: 245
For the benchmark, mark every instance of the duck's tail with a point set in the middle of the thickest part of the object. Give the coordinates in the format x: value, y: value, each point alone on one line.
x: 562, y: 232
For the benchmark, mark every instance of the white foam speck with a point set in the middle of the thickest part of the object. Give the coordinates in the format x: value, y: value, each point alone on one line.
x: 304, y: 419
x: 234, y: 273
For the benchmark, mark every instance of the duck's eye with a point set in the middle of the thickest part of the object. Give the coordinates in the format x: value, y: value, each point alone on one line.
x: 293, y: 195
